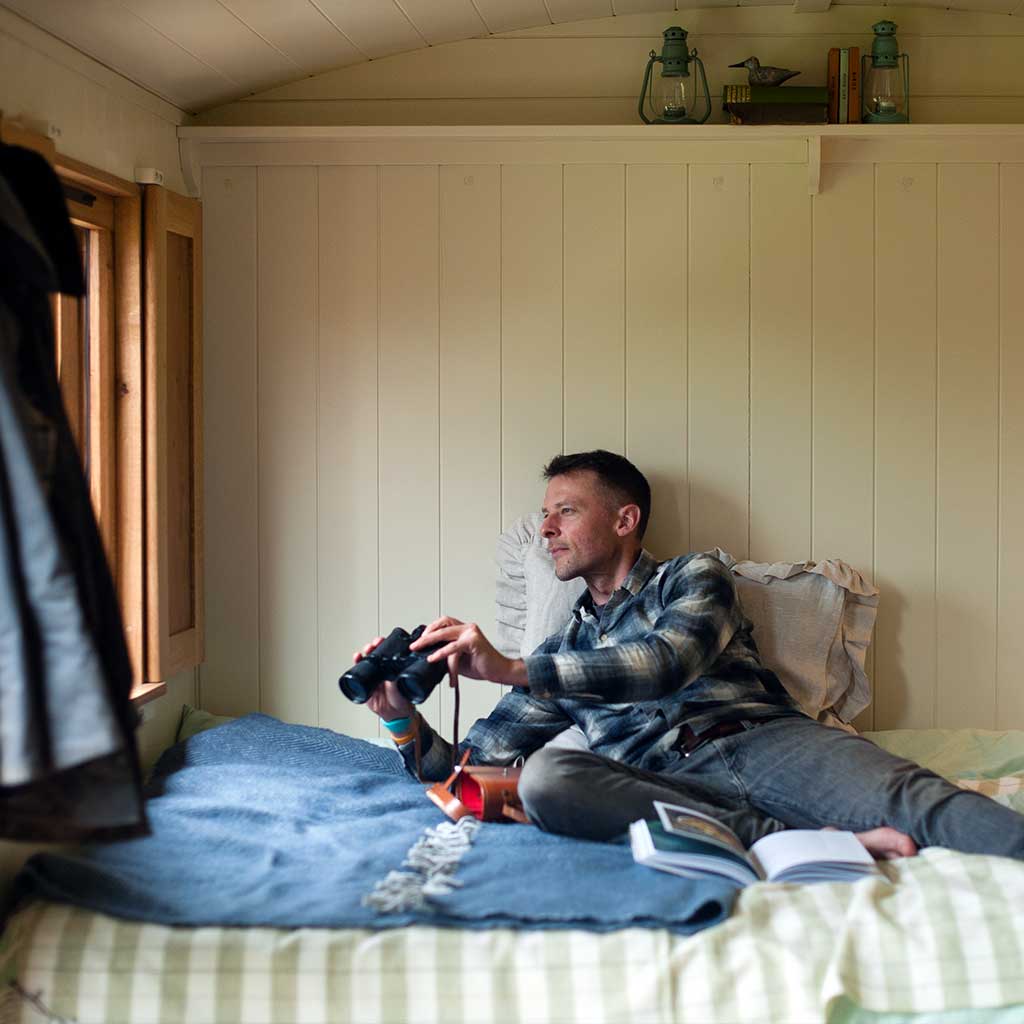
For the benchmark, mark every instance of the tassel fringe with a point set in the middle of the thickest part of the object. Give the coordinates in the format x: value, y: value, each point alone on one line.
x: 433, y: 859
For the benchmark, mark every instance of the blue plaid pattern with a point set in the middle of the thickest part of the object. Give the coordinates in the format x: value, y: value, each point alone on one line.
x: 671, y: 648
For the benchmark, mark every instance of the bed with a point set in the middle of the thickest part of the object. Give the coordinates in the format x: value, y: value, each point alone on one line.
x: 937, y: 938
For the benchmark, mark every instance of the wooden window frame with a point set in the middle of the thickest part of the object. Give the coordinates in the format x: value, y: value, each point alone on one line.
x: 174, y: 397
x: 116, y: 383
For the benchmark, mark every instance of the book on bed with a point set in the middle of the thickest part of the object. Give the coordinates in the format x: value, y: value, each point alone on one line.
x: 686, y: 842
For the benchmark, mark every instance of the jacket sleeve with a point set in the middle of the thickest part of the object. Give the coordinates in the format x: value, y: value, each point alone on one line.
x: 518, y: 725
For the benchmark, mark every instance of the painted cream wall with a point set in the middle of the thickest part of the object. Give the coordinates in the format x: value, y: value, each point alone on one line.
x: 104, y: 119
x: 395, y: 348
x: 965, y: 68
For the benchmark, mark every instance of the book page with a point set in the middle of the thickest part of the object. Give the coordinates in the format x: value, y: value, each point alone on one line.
x: 684, y: 821
x: 780, y: 851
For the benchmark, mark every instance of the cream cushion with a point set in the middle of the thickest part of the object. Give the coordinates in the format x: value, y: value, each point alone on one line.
x: 812, y: 621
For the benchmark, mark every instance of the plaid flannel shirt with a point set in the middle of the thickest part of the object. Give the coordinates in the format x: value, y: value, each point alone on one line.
x: 670, y: 647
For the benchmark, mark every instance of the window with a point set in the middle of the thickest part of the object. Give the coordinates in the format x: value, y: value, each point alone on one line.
x: 128, y: 359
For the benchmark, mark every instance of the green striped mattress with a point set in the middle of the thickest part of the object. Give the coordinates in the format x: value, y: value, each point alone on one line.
x: 939, y: 940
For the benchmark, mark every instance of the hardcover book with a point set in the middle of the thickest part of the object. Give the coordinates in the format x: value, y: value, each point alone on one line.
x: 774, y: 94
x: 685, y: 842
x: 777, y: 113
x: 832, y: 85
x: 853, y: 116
x: 844, y: 85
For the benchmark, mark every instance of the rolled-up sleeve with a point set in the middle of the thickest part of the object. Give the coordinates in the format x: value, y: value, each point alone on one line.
x: 518, y: 725
x: 699, y: 615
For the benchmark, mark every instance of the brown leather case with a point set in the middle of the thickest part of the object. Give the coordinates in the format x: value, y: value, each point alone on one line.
x: 494, y: 791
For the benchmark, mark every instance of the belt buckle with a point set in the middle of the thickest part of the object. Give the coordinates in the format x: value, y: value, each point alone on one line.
x: 689, y: 741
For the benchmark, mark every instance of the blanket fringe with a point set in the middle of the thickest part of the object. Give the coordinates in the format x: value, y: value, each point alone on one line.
x: 433, y: 859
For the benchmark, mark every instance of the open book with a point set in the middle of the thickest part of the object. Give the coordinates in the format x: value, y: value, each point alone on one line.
x: 686, y: 842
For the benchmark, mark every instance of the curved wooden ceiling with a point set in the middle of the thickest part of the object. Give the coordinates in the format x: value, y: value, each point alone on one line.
x: 201, y: 53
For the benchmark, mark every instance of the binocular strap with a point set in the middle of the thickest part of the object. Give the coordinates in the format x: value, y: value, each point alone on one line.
x: 455, y: 739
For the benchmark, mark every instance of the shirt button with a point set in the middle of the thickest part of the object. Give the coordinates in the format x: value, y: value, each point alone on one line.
x: 604, y: 637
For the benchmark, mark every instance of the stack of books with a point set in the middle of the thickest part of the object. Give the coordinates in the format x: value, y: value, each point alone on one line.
x: 778, y: 104
x: 843, y: 83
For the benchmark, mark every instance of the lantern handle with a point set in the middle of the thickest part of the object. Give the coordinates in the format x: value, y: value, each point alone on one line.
x: 704, y: 79
x: 653, y: 56
x: 906, y: 81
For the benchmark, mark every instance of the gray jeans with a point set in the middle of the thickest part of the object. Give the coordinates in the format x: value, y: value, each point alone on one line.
x: 784, y: 773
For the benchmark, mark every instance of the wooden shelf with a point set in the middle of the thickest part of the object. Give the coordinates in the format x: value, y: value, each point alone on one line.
x: 813, y: 145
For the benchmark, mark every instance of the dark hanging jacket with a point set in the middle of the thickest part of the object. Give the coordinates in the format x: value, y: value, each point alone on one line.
x: 68, y: 761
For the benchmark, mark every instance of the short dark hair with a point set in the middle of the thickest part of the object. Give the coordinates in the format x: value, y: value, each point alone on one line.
x: 616, y: 473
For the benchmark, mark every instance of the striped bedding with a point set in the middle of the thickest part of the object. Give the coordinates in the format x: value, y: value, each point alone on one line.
x: 939, y: 940
x: 948, y: 935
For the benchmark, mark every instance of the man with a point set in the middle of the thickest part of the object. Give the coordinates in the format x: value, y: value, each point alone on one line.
x: 658, y: 668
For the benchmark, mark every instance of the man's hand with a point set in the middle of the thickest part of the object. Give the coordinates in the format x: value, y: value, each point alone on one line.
x: 386, y: 701
x: 469, y: 652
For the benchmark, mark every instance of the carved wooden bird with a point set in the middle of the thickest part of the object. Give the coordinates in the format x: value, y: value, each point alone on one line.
x: 758, y: 74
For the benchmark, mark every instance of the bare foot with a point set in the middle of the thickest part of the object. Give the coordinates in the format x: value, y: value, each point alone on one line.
x: 887, y: 843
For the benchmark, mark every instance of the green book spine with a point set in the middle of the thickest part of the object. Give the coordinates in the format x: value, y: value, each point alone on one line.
x: 775, y: 94
x: 844, y: 85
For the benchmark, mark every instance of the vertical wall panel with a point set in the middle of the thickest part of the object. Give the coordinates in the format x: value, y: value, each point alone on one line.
x: 347, y: 585
x: 968, y: 438
x: 408, y: 412
x: 905, y: 445
x: 531, y: 332
x: 470, y: 405
x: 656, y: 347
x: 287, y: 442
x: 1010, y: 651
x: 594, y: 307
x: 719, y: 357
x: 229, y: 677
x: 394, y: 451
x: 780, y: 363
x: 843, y: 360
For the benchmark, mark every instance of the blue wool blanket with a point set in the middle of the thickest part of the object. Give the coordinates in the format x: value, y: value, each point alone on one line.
x: 257, y: 822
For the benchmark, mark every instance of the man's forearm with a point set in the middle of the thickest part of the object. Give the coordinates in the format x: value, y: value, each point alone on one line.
x: 516, y: 674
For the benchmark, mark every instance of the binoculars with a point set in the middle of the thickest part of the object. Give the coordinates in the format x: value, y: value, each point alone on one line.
x: 391, y: 659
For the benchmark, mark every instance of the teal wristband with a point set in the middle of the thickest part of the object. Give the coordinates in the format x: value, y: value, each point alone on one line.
x: 398, y: 725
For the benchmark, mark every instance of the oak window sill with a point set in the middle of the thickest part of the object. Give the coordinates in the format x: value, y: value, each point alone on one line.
x: 145, y: 692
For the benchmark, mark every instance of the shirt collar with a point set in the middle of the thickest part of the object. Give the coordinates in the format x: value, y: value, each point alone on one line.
x: 636, y: 579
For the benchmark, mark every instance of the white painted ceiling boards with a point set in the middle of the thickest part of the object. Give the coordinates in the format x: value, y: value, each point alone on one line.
x: 201, y: 53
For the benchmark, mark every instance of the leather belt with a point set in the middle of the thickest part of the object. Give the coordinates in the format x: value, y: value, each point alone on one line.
x: 689, y: 740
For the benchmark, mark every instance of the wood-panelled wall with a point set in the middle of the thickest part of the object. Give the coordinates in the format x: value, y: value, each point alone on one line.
x: 965, y: 68
x: 103, y: 119
x: 394, y: 351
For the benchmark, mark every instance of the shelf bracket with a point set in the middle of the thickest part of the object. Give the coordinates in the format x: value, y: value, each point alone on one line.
x: 813, y: 164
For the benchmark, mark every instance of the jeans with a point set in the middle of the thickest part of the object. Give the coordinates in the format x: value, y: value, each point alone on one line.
x: 787, y: 772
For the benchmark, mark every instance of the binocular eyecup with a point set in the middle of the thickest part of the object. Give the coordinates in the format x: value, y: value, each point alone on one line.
x: 391, y: 659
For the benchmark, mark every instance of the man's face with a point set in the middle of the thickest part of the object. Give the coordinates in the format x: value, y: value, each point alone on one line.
x: 580, y: 525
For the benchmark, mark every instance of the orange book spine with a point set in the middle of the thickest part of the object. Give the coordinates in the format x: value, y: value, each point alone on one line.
x: 854, y: 110
x: 832, y: 81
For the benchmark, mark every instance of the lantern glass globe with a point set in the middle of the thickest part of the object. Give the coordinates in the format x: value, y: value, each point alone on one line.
x: 671, y: 98
x: 886, y: 91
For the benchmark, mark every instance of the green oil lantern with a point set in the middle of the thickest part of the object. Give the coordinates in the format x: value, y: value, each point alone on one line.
x: 672, y: 97
x: 885, y: 79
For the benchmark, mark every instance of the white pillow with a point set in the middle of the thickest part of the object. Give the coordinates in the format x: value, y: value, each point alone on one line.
x: 812, y: 622
x: 532, y: 601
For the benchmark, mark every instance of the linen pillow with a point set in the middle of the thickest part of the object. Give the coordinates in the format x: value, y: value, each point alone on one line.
x: 812, y: 626
x: 812, y: 622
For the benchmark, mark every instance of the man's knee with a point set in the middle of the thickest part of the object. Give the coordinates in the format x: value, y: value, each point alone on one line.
x: 547, y: 783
